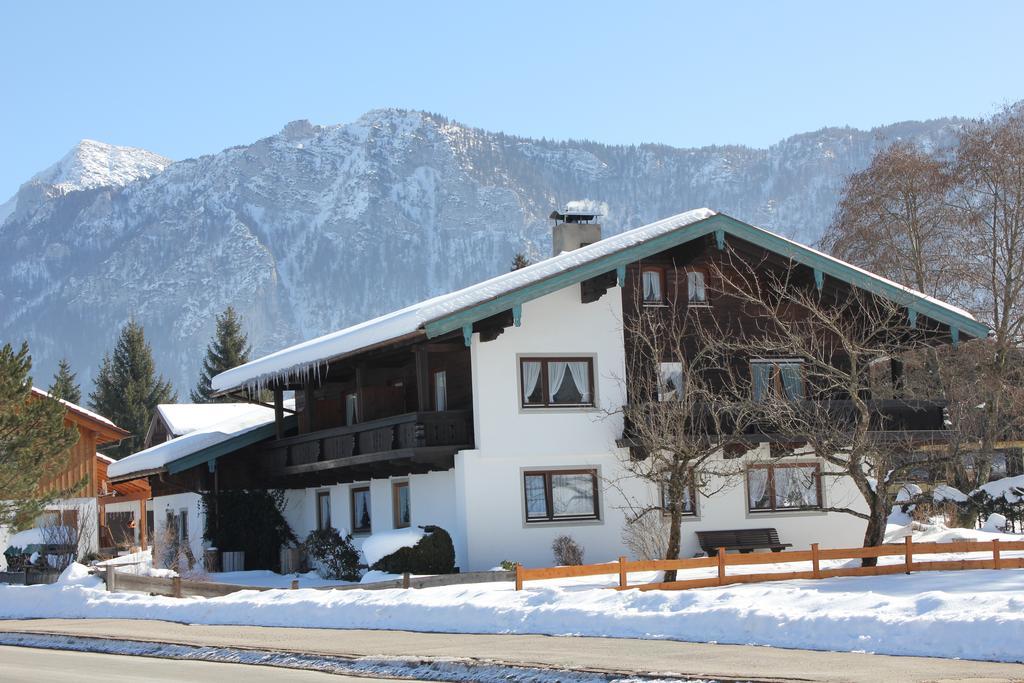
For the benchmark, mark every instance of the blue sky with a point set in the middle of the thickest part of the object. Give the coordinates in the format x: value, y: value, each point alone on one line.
x: 185, y: 78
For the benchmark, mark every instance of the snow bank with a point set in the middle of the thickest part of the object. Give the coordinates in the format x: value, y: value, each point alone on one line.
x: 943, y: 614
x: 25, y: 538
x: 943, y: 493
x: 994, y: 523
x: 383, y: 543
x: 1002, y: 488
x: 907, y: 492
x: 140, y: 564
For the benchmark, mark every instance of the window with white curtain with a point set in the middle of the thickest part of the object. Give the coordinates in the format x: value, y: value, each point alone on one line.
x: 361, y: 521
x: 556, y: 382
x: 777, y: 378
x: 696, y: 292
x: 560, y: 495
x: 440, y: 390
x: 653, y: 283
x: 670, y: 381
x: 782, y: 487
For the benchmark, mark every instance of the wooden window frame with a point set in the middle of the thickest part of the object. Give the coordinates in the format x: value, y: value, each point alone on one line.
x: 549, y: 497
x: 693, y: 499
x: 320, y: 495
x: 770, y: 486
x: 352, y: 504
x: 776, y: 378
x: 544, y: 360
x: 396, y: 486
x: 690, y: 301
x: 663, y: 282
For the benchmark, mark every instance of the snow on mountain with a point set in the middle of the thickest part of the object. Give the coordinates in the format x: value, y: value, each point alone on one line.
x: 88, y: 165
x: 319, y: 227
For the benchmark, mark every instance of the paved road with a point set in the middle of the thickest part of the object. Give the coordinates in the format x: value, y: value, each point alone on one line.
x: 28, y: 665
x: 600, y: 654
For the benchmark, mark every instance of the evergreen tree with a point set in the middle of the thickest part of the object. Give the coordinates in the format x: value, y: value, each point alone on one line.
x: 128, y: 388
x: 228, y: 349
x: 34, y: 441
x: 64, y: 385
x: 519, y: 261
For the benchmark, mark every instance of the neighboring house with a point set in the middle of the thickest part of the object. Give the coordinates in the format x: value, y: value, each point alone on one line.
x: 186, y: 441
x: 85, y: 476
x: 492, y: 411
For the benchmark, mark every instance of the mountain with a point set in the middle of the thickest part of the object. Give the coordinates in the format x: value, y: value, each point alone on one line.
x: 89, y: 164
x: 318, y: 227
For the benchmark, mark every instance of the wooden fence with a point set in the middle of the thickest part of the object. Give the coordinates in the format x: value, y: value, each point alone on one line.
x: 815, y: 556
x: 185, y: 588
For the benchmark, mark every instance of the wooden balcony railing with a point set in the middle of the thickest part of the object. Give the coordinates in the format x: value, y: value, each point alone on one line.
x: 400, y: 434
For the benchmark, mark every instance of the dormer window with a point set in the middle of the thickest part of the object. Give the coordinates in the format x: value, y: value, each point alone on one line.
x: 696, y: 292
x: 653, y: 281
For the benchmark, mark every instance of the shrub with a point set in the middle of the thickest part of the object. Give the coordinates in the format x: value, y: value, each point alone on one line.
x: 508, y: 565
x: 335, y: 556
x: 432, y: 554
x: 17, y: 559
x: 567, y: 551
x: 251, y: 521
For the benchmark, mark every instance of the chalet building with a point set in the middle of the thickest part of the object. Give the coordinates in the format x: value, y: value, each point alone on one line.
x: 110, y: 508
x: 493, y: 411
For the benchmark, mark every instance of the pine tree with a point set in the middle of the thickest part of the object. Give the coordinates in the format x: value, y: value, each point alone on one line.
x: 64, y: 385
x: 519, y: 261
x: 34, y: 440
x: 228, y: 349
x: 128, y: 388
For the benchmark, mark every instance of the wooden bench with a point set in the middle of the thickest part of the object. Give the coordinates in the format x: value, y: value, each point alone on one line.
x: 743, y: 540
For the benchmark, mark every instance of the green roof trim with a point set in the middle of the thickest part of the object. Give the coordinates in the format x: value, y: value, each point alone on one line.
x: 210, y: 454
x: 719, y: 225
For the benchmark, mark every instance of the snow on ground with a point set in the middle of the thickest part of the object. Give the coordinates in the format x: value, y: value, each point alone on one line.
x: 139, y: 564
x: 944, y: 614
x: 268, y: 579
x: 383, y: 543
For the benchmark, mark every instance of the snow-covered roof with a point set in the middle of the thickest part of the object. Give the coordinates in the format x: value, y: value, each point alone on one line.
x: 82, y: 412
x: 308, y: 357
x: 157, y: 457
x: 183, y: 418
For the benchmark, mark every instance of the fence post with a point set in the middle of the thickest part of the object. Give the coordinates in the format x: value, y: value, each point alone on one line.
x: 995, y: 554
x: 519, y: 577
x: 176, y: 586
x: 909, y: 551
x: 721, y: 566
x: 111, y: 578
x: 815, y: 562
x: 405, y: 579
x: 295, y: 584
x: 622, y: 571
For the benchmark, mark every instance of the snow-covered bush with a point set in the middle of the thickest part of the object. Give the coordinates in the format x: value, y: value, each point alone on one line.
x: 567, y: 551
x: 432, y: 554
x: 334, y: 555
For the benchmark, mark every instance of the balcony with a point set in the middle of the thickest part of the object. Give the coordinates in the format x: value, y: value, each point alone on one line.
x: 912, y: 422
x: 410, y: 443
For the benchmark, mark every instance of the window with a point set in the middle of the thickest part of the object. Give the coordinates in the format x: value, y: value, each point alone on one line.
x: 670, y: 381
x: 351, y: 404
x: 361, y: 509
x: 772, y: 488
x: 400, y: 503
x: 323, y: 509
x: 689, y: 499
x: 440, y: 390
x: 560, y: 495
x: 554, y: 382
x: 653, y: 281
x: 696, y: 292
x: 777, y: 379
x: 183, y: 525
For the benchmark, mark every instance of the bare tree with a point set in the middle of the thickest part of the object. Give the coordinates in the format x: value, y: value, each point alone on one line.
x: 989, y: 197
x: 67, y: 532
x: 685, y: 409
x: 894, y: 218
x: 836, y: 340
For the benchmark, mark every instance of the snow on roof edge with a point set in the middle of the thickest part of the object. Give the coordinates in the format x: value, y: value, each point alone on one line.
x: 305, y: 358
x: 79, y: 409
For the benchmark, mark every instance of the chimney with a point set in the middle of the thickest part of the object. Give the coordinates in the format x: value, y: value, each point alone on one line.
x: 573, y: 228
